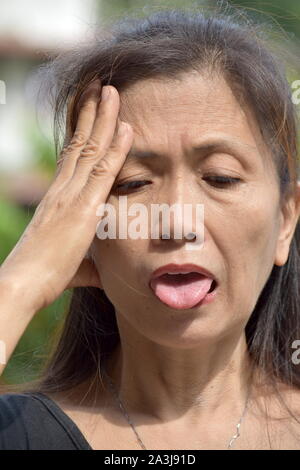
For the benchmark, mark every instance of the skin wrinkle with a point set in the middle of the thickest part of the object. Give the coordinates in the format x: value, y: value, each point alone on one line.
x: 196, y: 360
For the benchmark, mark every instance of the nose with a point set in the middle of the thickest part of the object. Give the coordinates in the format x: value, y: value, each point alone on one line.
x: 181, y: 218
x: 174, y: 228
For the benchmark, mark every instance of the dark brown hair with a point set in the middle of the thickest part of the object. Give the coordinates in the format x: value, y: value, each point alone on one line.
x: 167, y: 44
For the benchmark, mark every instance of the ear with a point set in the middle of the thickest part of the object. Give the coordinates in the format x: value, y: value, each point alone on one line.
x: 290, y: 214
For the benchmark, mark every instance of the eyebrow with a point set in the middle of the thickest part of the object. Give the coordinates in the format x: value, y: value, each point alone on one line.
x: 235, y: 147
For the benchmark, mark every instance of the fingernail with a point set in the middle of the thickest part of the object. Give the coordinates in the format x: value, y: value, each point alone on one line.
x: 105, y: 93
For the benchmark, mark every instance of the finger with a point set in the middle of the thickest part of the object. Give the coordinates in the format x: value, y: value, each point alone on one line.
x: 82, y: 171
x: 110, y: 106
x: 101, y: 136
x: 103, y: 174
x: 88, y: 104
x: 70, y: 111
x: 87, y: 112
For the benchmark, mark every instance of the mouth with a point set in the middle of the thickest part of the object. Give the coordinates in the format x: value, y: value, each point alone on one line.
x: 213, y: 286
x: 186, y: 268
x: 185, y: 279
x: 183, y: 290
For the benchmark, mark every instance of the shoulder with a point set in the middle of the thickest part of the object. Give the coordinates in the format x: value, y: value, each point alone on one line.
x: 287, y: 399
x: 18, y: 415
x: 32, y: 421
x: 280, y: 408
x: 287, y: 412
x: 279, y: 399
x: 14, y: 405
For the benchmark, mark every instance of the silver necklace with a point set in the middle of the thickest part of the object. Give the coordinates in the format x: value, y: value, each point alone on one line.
x: 123, y: 410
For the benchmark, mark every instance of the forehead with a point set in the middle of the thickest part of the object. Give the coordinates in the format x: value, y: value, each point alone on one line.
x: 200, y: 98
x: 169, y: 113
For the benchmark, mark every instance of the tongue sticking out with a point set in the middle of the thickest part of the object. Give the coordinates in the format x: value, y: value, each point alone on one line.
x: 181, y: 291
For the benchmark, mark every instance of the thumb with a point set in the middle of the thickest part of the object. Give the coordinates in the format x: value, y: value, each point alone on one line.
x: 86, y: 276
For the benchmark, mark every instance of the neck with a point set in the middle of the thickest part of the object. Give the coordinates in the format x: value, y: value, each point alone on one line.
x: 168, y: 383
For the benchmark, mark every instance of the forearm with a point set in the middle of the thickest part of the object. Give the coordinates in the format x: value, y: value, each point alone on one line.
x: 16, y: 312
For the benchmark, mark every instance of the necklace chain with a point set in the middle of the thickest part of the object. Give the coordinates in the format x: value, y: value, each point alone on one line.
x: 125, y: 413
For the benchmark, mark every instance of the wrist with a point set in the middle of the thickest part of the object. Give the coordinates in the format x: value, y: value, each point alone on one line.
x: 17, y: 293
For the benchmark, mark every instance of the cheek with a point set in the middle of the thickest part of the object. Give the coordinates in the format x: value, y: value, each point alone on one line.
x: 123, y: 252
x: 118, y: 263
x: 247, y: 246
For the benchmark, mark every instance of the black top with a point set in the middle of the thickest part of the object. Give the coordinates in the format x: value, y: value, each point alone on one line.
x: 32, y: 421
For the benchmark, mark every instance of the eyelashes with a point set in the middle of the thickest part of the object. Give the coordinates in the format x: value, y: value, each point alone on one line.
x: 222, y: 181
x: 218, y: 181
x: 131, y: 185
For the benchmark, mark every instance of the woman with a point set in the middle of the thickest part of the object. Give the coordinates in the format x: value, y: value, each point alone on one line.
x: 203, y: 359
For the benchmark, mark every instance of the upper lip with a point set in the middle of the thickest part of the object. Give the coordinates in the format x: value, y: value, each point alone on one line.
x: 181, y: 268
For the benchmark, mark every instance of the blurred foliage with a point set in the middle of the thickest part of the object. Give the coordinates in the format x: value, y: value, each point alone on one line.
x: 111, y: 11
x: 286, y: 14
x: 44, y: 152
x: 13, y: 221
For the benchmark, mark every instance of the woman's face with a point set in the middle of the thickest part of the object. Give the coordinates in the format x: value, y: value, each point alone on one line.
x: 243, y: 224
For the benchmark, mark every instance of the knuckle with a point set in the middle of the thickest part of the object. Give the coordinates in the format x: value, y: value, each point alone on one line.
x: 87, y: 105
x: 114, y: 146
x: 98, y: 170
x: 77, y: 140
x: 59, y: 163
x: 59, y: 204
x: 90, y: 149
x: 102, y: 168
x: 53, y: 201
x: 116, y: 150
x: 62, y: 158
x: 63, y: 153
x: 93, y: 141
x: 58, y: 166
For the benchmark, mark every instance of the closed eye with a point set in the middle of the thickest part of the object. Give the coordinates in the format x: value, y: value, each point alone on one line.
x: 222, y: 181
x: 214, y: 180
x: 131, y: 185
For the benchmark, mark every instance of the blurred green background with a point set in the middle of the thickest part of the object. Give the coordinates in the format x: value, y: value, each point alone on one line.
x: 27, y: 158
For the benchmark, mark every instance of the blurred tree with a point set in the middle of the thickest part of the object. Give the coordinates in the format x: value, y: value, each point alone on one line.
x: 109, y: 10
x: 286, y: 14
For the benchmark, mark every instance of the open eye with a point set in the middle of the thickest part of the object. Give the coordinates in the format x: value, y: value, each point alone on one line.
x: 131, y: 185
x: 222, y: 181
